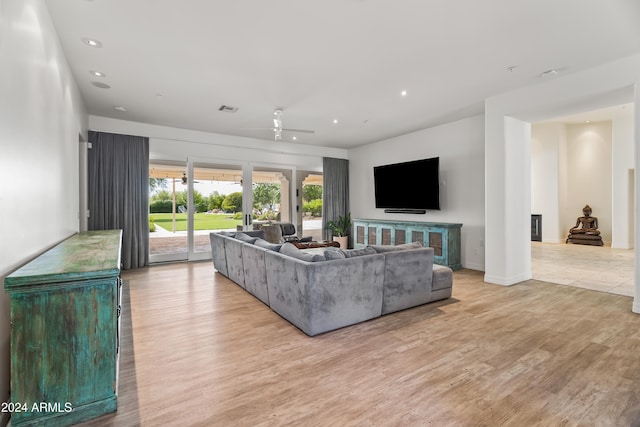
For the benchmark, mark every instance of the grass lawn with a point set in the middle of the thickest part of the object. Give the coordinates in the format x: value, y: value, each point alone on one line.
x: 202, y: 221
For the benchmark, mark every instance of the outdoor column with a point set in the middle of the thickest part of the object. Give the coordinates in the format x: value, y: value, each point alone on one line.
x: 300, y: 177
x: 285, y: 199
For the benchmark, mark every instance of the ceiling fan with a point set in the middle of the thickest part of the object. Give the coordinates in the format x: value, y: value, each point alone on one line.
x: 278, y: 128
x: 184, y: 179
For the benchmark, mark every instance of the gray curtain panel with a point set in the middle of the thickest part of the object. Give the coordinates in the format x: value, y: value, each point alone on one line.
x: 119, y: 192
x: 335, y: 191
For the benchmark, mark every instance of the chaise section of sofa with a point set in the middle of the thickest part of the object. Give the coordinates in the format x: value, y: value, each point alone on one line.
x: 321, y: 296
x: 442, y: 282
x: 218, y: 252
x: 407, y: 282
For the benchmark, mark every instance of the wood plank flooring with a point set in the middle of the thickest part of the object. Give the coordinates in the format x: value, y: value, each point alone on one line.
x: 197, y: 350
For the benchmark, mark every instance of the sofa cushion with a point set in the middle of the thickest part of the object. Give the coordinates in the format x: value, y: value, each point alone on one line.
x: 330, y: 255
x: 389, y: 248
x: 350, y: 253
x: 290, y: 250
x: 407, y: 279
x: 442, y: 277
x: 245, y: 238
x: 266, y: 245
x: 219, y: 253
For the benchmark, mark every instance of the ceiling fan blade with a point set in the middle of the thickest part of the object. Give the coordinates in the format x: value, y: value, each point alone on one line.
x: 270, y: 128
x: 300, y: 130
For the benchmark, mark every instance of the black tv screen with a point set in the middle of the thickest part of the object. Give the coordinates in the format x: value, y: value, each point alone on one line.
x: 408, y: 185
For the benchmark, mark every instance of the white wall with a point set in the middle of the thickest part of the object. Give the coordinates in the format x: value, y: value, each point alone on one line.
x: 580, y: 154
x: 546, y: 140
x: 570, y: 168
x: 622, y: 170
x: 589, y: 172
x: 605, y: 85
x: 460, y: 146
x: 170, y: 143
x: 41, y: 118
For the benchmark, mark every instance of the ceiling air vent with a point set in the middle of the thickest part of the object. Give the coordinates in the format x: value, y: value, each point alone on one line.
x: 228, y: 109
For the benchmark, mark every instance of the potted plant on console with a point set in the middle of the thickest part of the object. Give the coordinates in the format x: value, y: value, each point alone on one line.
x: 340, y: 229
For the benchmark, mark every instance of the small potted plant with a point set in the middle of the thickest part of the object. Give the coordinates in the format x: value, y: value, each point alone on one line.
x: 340, y: 229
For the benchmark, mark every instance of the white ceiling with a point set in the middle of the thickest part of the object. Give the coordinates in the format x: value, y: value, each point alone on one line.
x: 174, y: 63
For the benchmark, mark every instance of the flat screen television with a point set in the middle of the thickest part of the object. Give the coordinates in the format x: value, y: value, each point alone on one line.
x: 406, y: 186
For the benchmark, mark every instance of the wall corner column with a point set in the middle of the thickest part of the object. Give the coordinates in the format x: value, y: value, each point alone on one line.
x: 507, y: 198
x: 636, y: 156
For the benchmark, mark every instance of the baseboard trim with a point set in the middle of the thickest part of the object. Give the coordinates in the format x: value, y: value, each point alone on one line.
x: 636, y: 306
x: 506, y: 281
x: 472, y: 266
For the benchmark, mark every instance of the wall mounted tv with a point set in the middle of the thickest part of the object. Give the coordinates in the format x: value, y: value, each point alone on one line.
x: 409, y: 187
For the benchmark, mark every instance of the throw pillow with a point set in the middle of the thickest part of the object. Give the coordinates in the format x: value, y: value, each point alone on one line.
x: 271, y: 246
x: 389, y: 248
x: 246, y: 238
x: 290, y: 250
x: 330, y: 255
x: 350, y: 253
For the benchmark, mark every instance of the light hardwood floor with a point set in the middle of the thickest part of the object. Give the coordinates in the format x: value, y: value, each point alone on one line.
x: 200, y: 351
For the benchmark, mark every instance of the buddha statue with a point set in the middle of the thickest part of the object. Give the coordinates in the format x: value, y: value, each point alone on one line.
x: 586, y: 230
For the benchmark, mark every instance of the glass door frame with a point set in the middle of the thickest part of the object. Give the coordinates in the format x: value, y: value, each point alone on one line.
x: 182, y: 255
x: 247, y: 196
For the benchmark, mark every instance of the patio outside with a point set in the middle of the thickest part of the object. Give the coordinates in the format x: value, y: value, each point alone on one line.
x: 218, y: 204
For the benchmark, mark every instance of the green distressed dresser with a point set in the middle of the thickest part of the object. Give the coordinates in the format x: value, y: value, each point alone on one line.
x: 443, y: 237
x: 65, y: 307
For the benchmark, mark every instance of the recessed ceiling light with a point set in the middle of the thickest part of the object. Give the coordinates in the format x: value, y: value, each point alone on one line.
x: 335, y: 121
x: 120, y: 108
x: 97, y: 73
x: 587, y: 121
x: 294, y: 138
x: 91, y: 42
x: 101, y: 85
x: 403, y: 93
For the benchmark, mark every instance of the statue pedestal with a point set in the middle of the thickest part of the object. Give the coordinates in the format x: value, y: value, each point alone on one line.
x: 585, y: 239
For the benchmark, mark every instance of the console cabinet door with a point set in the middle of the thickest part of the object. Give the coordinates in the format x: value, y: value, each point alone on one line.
x: 64, y: 332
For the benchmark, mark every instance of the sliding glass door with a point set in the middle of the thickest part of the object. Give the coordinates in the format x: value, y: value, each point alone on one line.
x: 190, y: 200
x: 217, y: 201
x: 167, y: 211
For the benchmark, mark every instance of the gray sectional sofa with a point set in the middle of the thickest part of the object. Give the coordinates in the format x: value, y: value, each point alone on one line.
x: 323, y: 290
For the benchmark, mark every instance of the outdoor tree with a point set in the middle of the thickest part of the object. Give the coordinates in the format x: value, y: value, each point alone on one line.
x: 232, y: 202
x: 215, y: 200
x: 311, y: 192
x: 181, y: 198
x: 161, y: 195
x: 198, y: 200
x: 157, y: 184
x: 266, y: 195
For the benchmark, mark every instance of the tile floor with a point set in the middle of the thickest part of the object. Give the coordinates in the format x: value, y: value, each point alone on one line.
x: 598, y: 268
